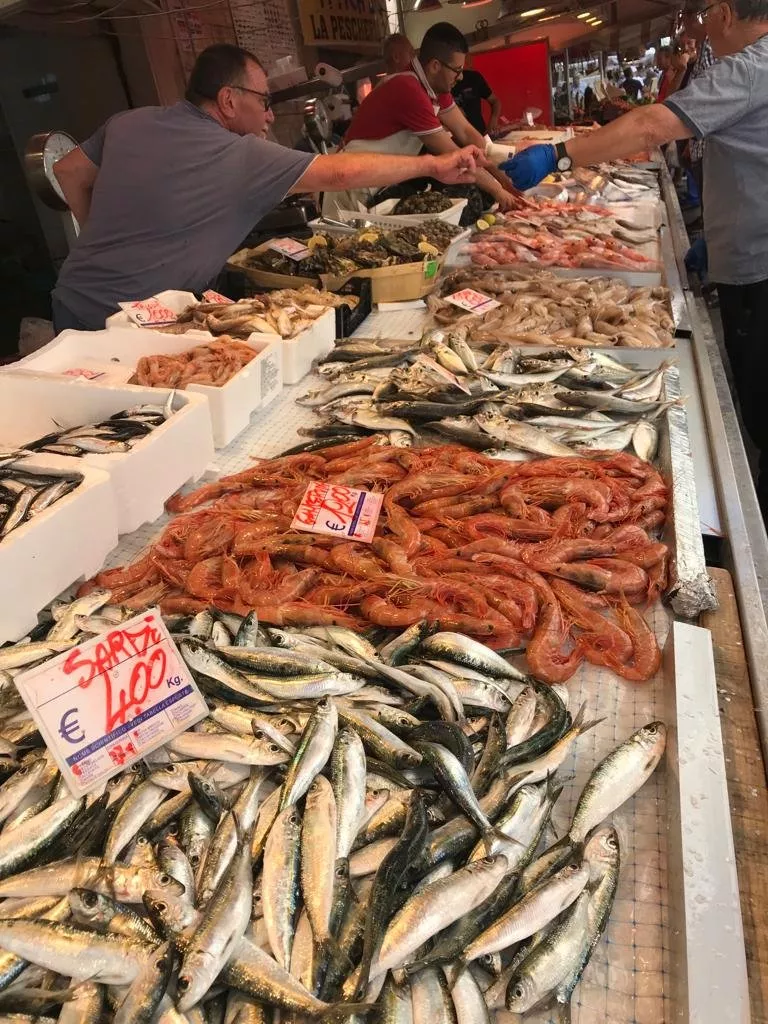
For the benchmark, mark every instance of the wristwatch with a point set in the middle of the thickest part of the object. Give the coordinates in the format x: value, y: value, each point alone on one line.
x: 564, y: 162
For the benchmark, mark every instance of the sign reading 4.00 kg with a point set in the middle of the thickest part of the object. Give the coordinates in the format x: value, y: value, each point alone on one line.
x: 108, y: 702
x: 342, y: 23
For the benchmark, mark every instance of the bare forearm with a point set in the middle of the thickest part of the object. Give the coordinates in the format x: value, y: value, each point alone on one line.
x: 491, y: 181
x: 78, y: 197
x: 636, y: 131
x: 341, y: 171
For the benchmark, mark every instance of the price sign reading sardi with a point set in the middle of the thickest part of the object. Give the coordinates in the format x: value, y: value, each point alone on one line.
x: 339, y: 24
x: 110, y: 701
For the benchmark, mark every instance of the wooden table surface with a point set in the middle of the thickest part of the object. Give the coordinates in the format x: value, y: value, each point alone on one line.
x: 746, y: 785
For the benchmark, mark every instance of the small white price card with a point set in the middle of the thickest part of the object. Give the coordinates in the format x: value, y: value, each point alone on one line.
x: 149, y: 312
x: 290, y: 247
x: 472, y: 301
x: 217, y: 297
x: 338, y: 511
x: 108, y: 702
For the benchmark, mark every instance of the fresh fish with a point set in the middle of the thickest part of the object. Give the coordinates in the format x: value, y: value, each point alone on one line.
x: 618, y: 777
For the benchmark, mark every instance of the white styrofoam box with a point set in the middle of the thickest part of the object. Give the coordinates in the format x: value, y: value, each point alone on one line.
x: 119, y: 350
x: 173, y: 454
x: 173, y: 299
x: 382, y: 215
x: 301, y: 351
x: 66, y: 542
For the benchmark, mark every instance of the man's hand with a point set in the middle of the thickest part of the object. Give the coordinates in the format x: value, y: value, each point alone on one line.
x: 528, y: 168
x: 493, y: 125
x: 457, y: 167
x: 508, y: 201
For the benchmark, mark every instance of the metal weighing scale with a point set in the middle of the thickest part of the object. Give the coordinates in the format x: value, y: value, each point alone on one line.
x: 40, y: 154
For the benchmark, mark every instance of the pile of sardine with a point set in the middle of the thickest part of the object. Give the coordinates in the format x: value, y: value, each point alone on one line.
x: 508, y: 400
x: 111, y: 436
x: 27, y: 490
x: 353, y: 827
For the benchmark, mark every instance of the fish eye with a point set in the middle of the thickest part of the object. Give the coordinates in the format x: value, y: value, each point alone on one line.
x: 273, y: 747
x: 182, y: 983
x: 259, y: 734
x: 170, y: 769
x: 340, y: 871
x: 518, y: 992
x: 160, y: 906
x: 164, y: 879
x: 89, y: 899
x: 652, y: 728
x: 194, y: 859
x: 294, y: 819
x: 612, y: 842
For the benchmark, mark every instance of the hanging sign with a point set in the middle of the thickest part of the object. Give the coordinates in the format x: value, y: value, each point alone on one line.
x: 341, y: 24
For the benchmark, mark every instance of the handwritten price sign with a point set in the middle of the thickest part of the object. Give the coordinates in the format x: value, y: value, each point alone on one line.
x: 338, y: 511
x: 472, y: 301
x: 217, y: 297
x: 149, y: 312
x: 103, y: 705
x: 291, y: 248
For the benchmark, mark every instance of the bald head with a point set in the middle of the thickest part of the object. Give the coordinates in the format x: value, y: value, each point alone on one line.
x: 398, y: 53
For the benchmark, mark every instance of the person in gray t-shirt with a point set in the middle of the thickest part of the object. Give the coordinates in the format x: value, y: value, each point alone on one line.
x: 728, y: 106
x: 165, y: 195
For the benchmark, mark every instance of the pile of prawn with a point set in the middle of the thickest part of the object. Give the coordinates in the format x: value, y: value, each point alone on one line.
x: 553, y: 555
x: 561, y: 238
x: 214, y: 363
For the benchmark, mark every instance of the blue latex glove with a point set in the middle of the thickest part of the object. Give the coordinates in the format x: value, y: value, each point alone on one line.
x: 697, y: 258
x: 531, y: 166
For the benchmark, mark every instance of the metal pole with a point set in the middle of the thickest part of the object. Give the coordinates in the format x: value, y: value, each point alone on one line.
x: 567, y: 68
x: 601, y: 65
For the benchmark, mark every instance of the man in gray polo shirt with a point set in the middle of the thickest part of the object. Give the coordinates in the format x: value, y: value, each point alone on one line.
x: 165, y: 195
x: 727, y: 106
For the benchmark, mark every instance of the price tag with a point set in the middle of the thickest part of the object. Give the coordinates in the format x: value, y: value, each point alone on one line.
x: 472, y: 301
x: 106, y: 703
x: 441, y: 371
x: 82, y: 371
x: 212, y: 296
x: 149, y: 312
x: 338, y: 511
x: 290, y: 247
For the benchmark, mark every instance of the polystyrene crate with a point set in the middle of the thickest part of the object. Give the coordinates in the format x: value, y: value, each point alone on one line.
x: 64, y: 543
x: 116, y: 352
x: 300, y: 352
x: 157, y: 465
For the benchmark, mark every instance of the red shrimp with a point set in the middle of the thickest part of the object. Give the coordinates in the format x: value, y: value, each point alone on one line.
x: 181, y: 604
x: 145, y: 598
x: 658, y: 579
x: 492, y: 545
x: 300, y: 613
x: 646, y: 656
x: 394, y: 556
x: 123, y: 575
x: 381, y: 612
x: 205, y: 578
x: 209, y: 538
x: 552, y: 492
x: 495, y: 524
x: 405, y: 529
x: 173, y: 570
x: 549, y: 557
x: 545, y: 654
x: 355, y: 560
x: 512, y: 500
x: 600, y: 634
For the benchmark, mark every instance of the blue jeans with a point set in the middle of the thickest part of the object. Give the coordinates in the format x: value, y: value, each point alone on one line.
x: 64, y: 320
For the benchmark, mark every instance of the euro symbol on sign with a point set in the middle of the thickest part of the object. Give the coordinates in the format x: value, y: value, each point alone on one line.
x: 69, y: 727
x: 333, y: 526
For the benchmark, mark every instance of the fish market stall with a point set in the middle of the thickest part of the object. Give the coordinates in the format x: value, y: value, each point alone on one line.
x: 471, y: 761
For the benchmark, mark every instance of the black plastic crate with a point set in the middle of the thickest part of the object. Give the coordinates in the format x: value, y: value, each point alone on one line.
x: 347, y: 319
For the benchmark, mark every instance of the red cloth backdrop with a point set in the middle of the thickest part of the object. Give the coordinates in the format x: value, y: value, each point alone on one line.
x: 519, y: 75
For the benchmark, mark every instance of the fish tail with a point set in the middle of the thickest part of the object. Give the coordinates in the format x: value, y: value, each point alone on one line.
x: 494, y: 835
